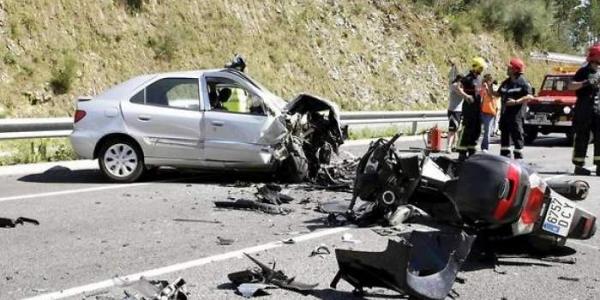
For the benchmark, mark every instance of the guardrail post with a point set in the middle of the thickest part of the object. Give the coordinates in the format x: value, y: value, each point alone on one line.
x: 414, y: 127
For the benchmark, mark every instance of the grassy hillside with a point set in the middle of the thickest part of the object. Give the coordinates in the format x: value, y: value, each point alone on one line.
x: 364, y: 55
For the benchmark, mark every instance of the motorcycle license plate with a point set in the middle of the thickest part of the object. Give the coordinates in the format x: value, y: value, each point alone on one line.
x: 559, y: 216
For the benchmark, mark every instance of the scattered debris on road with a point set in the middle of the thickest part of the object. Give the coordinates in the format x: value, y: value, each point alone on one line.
x: 348, y: 238
x: 224, y: 242
x: 154, y: 289
x: 320, y: 250
x: 11, y: 223
x: 568, y: 278
x: 269, y: 199
x: 423, y: 264
x: 265, y: 275
x: 254, y: 205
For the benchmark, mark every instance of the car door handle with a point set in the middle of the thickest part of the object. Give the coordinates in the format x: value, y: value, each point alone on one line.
x: 144, y: 118
x: 217, y: 123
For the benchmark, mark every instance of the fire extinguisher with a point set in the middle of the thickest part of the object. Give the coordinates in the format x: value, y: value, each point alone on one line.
x: 434, y: 139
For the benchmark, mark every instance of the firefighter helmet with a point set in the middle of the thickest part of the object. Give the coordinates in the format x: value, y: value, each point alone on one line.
x: 516, y: 65
x: 478, y: 64
x: 593, y: 52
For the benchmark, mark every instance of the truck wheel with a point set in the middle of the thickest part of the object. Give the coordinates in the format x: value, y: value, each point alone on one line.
x: 530, y: 135
x: 121, y: 160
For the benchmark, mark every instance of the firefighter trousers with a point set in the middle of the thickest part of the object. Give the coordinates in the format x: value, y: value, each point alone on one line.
x: 582, y: 128
x: 511, y: 128
x: 467, y: 142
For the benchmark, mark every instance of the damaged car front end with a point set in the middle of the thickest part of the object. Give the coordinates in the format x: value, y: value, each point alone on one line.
x: 312, y: 135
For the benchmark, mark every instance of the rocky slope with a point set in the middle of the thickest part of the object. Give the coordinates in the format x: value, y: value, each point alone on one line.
x: 364, y: 55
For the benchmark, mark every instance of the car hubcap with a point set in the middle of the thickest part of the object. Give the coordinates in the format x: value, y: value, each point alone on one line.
x: 120, y: 160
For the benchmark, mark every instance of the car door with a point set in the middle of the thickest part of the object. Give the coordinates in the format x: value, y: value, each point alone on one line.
x: 233, y: 132
x: 165, y: 116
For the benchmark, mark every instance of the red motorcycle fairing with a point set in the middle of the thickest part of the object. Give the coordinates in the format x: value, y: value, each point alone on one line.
x: 491, y: 190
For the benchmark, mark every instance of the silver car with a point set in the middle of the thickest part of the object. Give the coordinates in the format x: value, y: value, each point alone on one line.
x: 208, y: 119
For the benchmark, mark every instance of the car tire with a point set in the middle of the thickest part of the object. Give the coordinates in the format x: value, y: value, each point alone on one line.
x: 121, y: 160
x: 530, y: 135
x: 294, y: 168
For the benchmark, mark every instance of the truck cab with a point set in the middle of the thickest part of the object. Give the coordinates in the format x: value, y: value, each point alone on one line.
x: 552, y: 109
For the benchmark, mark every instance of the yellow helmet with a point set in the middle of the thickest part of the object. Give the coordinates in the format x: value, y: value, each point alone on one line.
x: 478, y: 64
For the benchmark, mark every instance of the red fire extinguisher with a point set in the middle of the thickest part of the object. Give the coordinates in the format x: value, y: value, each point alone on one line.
x: 434, y: 139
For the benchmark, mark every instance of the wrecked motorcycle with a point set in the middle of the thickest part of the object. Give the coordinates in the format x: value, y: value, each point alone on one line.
x: 487, y: 194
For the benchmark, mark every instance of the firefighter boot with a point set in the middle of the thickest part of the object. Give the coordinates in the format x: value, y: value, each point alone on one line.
x: 580, y: 170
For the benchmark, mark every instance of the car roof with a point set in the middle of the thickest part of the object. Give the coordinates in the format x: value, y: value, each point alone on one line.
x: 117, y: 91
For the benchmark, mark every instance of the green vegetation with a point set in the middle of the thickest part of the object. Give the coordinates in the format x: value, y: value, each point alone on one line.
x: 35, y: 150
x: 378, y: 132
x: 381, y: 55
x: 63, y: 75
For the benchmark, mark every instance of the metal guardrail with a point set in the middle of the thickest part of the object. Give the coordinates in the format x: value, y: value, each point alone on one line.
x: 62, y: 127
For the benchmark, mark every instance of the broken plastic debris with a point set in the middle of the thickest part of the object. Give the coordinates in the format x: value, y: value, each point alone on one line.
x: 424, y: 266
x: 348, y: 238
x: 267, y: 275
x: 320, y: 250
x: 224, y: 242
x: 10, y: 223
x: 248, y: 290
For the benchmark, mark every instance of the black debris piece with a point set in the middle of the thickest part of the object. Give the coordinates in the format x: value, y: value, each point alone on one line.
x: 254, y: 205
x: 271, y: 194
x: 423, y: 265
x: 267, y: 275
x: 320, y: 250
x: 156, y: 289
x: 11, y: 223
x: 224, y: 242
x: 197, y: 221
x: 568, y: 278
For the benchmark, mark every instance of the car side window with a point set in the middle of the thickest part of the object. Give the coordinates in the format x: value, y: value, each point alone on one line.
x: 171, y: 92
x: 229, y: 96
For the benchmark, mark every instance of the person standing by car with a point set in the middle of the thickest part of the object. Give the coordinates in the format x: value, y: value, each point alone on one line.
x: 586, y: 82
x: 469, y: 90
x: 515, y: 92
x: 488, y: 110
x: 454, y: 111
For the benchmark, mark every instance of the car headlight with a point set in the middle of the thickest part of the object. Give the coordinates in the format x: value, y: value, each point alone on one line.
x: 567, y: 110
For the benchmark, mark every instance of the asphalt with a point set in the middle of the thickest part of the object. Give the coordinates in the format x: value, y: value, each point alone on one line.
x: 92, y: 231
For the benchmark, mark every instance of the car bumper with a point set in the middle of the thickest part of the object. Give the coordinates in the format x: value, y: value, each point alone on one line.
x: 83, y: 144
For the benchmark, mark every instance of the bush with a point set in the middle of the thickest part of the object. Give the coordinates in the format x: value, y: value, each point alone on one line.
x: 132, y: 5
x: 63, y: 75
x: 164, y: 47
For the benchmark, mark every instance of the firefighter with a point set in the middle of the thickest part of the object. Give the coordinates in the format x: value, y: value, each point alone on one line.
x: 586, y: 117
x: 515, y: 91
x: 469, y: 90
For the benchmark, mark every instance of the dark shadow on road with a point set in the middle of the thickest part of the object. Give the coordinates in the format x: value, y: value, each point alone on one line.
x: 550, y: 141
x: 488, y: 255
x: 65, y: 175
x: 331, y: 294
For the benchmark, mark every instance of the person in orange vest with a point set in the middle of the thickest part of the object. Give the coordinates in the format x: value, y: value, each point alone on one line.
x: 488, y: 110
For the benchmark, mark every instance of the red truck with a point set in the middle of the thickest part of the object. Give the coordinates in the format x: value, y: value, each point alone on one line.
x: 552, y: 109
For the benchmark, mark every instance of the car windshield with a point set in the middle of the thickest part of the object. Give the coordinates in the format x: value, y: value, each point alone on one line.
x: 270, y: 98
x: 556, y: 83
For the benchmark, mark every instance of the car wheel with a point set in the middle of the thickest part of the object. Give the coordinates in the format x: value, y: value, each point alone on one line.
x: 121, y: 160
x: 531, y: 134
x: 294, y: 168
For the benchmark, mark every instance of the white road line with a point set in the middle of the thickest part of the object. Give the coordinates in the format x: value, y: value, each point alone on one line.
x: 585, y: 245
x: 180, y: 266
x: 83, y: 190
